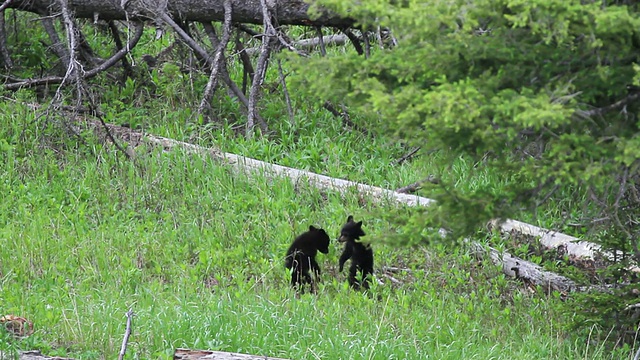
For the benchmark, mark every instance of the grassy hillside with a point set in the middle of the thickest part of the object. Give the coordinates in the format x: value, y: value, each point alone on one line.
x: 197, y: 252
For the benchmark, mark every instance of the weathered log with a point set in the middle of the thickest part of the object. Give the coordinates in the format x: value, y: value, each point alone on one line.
x: 289, y: 12
x: 187, y: 354
x: 30, y: 355
x: 521, y: 269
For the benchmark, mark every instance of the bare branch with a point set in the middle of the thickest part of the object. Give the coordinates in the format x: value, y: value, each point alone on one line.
x: 89, y: 74
x: 287, y: 98
x: 603, y: 110
x: 123, y: 349
x: 5, y: 58
x: 327, y: 40
x: 203, y: 55
x: 5, y: 4
x: 56, y: 44
x: 408, y: 155
x: 115, y: 33
x: 323, y: 50
x: 247, y: 67
x: 344, y: 115
x: 411, y: 188
x: 354, y: 40
x: 217, y: 59
x: 261, y: 66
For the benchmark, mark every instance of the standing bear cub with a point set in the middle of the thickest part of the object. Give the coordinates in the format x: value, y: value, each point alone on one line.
x: 360, y: 254
x: 301, y: 257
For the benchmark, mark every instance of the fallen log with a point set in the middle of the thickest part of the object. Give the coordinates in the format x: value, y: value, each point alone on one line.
x: 532, y: 274
x: 187, y: 354
x: 290, y: 12
x: 30, y: 355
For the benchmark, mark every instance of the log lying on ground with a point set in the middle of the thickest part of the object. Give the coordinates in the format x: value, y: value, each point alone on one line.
x: 550, y: 239
x: 512, y: 266
x: 290, y: 12
x: 30, y: 355
x: 518, y: 268
x: 186, y: 354
x: 322, y: 182
x: 531, y: 273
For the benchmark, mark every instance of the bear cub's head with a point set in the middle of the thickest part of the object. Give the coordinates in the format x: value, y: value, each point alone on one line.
x: 351, y: 230
x: 321, y: 238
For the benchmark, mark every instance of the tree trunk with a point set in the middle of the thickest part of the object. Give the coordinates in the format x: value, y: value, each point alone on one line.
x: 288, y: 12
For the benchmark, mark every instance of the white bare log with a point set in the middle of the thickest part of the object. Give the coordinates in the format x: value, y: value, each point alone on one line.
x: 323, y: 182
x: 187, y: 354
x: 518, y: 268
x: 30, y: 355
x: 549, y: 238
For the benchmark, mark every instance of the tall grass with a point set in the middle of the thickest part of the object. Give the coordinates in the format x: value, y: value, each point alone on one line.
x: 196, y: 251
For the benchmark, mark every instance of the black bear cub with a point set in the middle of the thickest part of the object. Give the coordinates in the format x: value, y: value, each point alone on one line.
x: 360, y: 254
x: 301, y: 257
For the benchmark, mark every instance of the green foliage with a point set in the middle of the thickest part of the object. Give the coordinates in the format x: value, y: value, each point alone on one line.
x: 525, y: 90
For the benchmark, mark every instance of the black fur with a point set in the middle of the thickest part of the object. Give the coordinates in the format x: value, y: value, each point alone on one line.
x: 360, y: 254
x: 301, y: 257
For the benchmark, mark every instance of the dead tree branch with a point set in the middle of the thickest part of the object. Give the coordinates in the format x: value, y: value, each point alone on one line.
x: 5, y: 57
x: 287, y: 98
x: 247, y: 67
x: 123, y: 349
x: 344, y: 115
x: 408, y: 155
x: 603, y: 110
x: 209, y: 60
x: 411, y: 188
x: 115, y: 33
x: 5, y: 4
x: 19, y: 83
x: 269, y: 33
x: 217, y: 59
x: 354, y: 40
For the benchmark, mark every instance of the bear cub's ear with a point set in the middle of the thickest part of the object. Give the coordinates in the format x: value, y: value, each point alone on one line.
x: 312, y: 228
x: 350, y: 218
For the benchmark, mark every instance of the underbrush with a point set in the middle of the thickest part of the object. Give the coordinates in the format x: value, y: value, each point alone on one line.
x: 196, y: 251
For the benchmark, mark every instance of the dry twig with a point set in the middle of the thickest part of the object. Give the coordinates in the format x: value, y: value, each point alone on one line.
x: 411, y: 188
x: 344, y: 115
x: 287, y: 98
x: 123, y: 349
x: 408, y: 155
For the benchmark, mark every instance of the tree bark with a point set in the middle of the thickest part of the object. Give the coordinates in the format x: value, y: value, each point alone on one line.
x: 288, y: 12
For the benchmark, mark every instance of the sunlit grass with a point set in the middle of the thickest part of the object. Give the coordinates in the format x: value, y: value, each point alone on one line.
x: 196, y: 251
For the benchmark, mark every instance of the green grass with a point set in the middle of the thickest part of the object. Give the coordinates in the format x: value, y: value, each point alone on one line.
x: 197, y: 252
